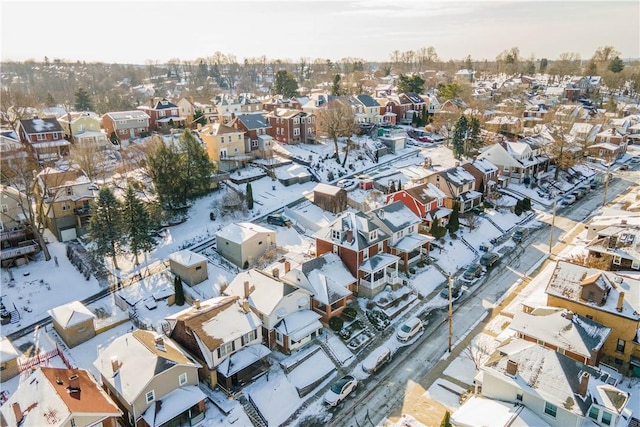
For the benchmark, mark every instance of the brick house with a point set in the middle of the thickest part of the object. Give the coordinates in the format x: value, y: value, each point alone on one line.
x: 459, y: 186
x: 426, y: 201
x: 254, y: 126
x: 485, y: 174
x: 126, y: 125
x: 163, y: 115
x: 291, y: 126
x: 43, y: 138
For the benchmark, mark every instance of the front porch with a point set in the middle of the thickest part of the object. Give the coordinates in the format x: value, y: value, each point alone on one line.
x: 411, y: 249
x: 377, y: 272
x: 242, y: 367
x: 469, y: 200
x: 184, y: 406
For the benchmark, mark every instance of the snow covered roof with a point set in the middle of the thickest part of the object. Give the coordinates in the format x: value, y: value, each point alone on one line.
x: 481, y: 411
x: 173, y: 404
x: 394, y: 217
x: 37, y: 125
x: 326, y: 277
x: 253, y: 121
x: 45, y: 399
x: 377, y: 262
x: 128, y: 115
x: 71, y: 314
x: 327, y: 189
x: 7, y: 350
x: 425, y: 193
x: 139, y: 360
x: 242, y: 231
x: 498, y: 155
x: 299, y: 325
x: 361, y: 227
x: 563, y: 329
x: 267, y: 291
x: 242, y: 358
x: 484, y: 165
x: 567, y: 282
x: 187, y: 258
x: 411, y: 242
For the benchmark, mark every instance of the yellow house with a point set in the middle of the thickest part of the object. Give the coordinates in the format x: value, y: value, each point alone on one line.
x: 224, y: 144
x: 84, y: 128
x: 606, y: 298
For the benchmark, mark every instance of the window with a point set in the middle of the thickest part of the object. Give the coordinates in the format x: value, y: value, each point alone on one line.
x: 365, y: 254
x: 249, y: 336
x: 199, y: 268
x: 41, y: 136
x: 617, y: 259
x: 594, y: 412
x: 373, y: 235
x: 222, y: 139
x: 519, y: 397
x: 606, y: 418
x: 635, y: 264
x: 65, y: 207
x: 182, y: 379
x: 150, y: 396
x: 620, y: 346
x: 335, y: 249
x: 380, y: 247
x: 254, y: 143
x: 336, y: 234
x: 69, y: 191
x: 296, y: 121
x: 550, y: 409
x: 225, y: 349
x: 5, y: 208
x: 296, y: 132
x: 412, y: 229
x: 73, y: 422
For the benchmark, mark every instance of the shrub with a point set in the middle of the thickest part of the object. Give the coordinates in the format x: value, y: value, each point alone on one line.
x: 412, y: 270
x: 349, y: 313
x: 335, y: 323
x: 330, y: 176
x: 453, y: 236
x: 370, y: 305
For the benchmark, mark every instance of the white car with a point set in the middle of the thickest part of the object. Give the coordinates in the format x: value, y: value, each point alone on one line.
x: 409, y: 329
x: 340, y: 389
x: 345, y: 183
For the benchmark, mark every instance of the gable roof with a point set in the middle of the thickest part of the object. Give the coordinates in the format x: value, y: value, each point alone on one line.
x: 253, y: 121
x: 164, y: 104
x: 267, y: 291
x: 7, y: 350
x: 71, y: 314
x: 360, y: 225
x: 242, y: 231
x: 425, y: 193
x: 414, y: 98
x: 326, y: 277
x: 37, y: 125
x: 46, y: 400
x: 140, y: 361
x: 395, y: 216
x: 367, y: 101
x: 499, y: 156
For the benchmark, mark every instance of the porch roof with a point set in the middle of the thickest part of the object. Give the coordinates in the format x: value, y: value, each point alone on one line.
x: 172, y: 405
x: 469, y: 195
x: 241, y: 359
x: 170, y: 118
x: 299, y: 324
x: 378, y: 262
x: 411, y: 242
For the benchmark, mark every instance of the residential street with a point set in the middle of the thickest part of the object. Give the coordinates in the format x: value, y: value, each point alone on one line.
x: 399, y: 387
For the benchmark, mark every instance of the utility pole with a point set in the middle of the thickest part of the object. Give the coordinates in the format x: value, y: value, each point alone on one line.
x: 553, y: 220
x: 606, y: 185
x: 450, y: 311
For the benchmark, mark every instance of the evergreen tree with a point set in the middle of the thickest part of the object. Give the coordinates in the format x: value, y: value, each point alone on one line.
x: 518, y: 208
x: 408, y: 84
x: 114, y: 138
x: 50, y: 101
x: 249, y: 196
x: 199, y: 118
x: 178, y: 290
x: 164, y: 166
x: 446, y: 421
x: 106, y: 225
x: 543, y: 65
x: 474, y: 141
x: 616, y: 65
x: 83, y: 100
x: 336, y: 90
x: 526, y: 204
x: 138, y: 224
x: 459, y: 136
x: 437, y: 230
x: 285, y: 84
x: 454, y: 219
x: 197, y: 167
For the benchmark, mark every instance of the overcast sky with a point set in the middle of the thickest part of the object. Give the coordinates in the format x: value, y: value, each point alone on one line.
x: 135, y: 31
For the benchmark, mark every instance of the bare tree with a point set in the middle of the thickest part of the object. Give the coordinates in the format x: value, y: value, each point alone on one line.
x: 564, y: 148
x: 476, y: 353
x: 335, y: 122
x: 14, y: 106
x: 89, y: 157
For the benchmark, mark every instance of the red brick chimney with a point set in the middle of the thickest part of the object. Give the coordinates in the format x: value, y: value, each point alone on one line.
x: 17, y: 412
x: 287, y: 266
x: 620, y: 301
x: 74, y: 383
x: 349, y: 236
x: 584, y: 384
x: 512, y: 368
x: 246, y: 289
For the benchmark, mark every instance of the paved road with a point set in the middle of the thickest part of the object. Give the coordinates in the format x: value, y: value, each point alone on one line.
x: 384, y: 393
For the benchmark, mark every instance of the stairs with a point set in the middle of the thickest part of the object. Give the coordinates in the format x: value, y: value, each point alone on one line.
x: 329, y: 352
x: 467, y: 244
x: 488, y: 218
x: 15, y: 315
x: 252, y: 412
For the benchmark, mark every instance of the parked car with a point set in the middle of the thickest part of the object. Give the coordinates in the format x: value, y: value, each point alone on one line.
x: 345, y: 183
x: 456, y: 290
x: 568, y: 199
x: 340, y: 389
x: 521, y: 233
x: 279, y: 219
x: 624, y: 167
x: 409, y: 329
x: 472, y: 272
x: 579, y: 193
x: 635, y: 159
x: 376, y: 359
x: 488, y: 259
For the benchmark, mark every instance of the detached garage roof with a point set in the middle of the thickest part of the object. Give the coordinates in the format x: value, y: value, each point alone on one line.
x: 71, y: 314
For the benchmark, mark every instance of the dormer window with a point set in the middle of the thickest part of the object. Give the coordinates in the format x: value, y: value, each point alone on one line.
x: 336, y: 234
x: 373, y: 235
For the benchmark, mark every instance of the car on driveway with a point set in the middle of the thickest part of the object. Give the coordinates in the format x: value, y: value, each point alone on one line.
x: 340, y: 389
x: 472, y: 272
x: 521, y: 233
x: 409, y: 329
x: 489, y: 259
x: 456, y: 290
x: 279, y: 219
x: 345, y: 183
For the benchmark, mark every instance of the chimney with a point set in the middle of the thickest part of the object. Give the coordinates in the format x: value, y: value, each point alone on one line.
x: 287, y: 267
x: 160, y: 343
x: 275, y: 273
x: 17, y: 412
x: 593, y: 356
x: 115, y: 364
x: 247, y: 290
x: 196, y: 304
x: 584, y: 384
x: 223, y: 286
x: 569, y: 315
x: 512, y: 368
x: 245, y: 305
x: 349, y: 236
x: 74, y: 383
x: 381, y: 213
x: 620, y: 301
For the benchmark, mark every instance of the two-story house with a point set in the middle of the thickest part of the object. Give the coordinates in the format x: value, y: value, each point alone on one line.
x: 254, y: 126
x: 10, y: 147
x: 152, y: 380
x: 291, y: 126
x: 610, y: 144
x: 43, y: 138
x: 426, y: 201
x: 59, y: 397
x: 612, y: 301
x: 163, y: 115
x: 225, y: 335
x: 485, y: 173
x: 363, y: 247
x: 84, y: 128
x: 619, y: 244
x: 227, y: 109
x: 367, y: 109
x: 224, y: 145
x: 399, y: 222
x: 416, y: 102
x: 400, y: 107
x: 459, y: 186
x: 559, y: 390
x: 64, y: 199
x: 330, y: 283
x: 188, y: 106
x: 125, y: 125
x: 288, y: 322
